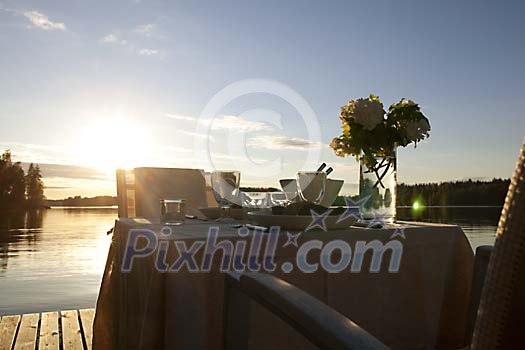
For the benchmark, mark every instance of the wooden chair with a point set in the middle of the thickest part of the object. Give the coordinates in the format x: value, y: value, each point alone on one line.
x: 139, y: 190
x: 501, y: 312
x: 320, y: 324
x: 497, y: 308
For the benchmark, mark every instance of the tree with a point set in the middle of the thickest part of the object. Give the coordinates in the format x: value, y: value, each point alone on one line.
x: 454, y: 193
x: 12, y: 183
x: 34, y: 187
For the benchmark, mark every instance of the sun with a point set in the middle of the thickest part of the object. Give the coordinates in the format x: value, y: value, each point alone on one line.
x: 113, y: 143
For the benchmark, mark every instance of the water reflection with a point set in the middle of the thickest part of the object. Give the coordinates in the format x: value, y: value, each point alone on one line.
x: 478, y: 223
x: 457, y: 215
x: 53, y: 259
x: 22, y: 219
x: 19, y: 231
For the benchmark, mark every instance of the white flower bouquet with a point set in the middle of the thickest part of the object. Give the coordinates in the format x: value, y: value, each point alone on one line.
x: 370, y: 132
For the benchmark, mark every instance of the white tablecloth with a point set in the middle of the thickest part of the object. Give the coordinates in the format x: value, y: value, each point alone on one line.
x: 423, y: 306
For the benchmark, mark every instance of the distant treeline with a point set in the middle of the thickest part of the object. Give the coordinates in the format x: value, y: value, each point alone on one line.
x: 475, y: 193
x: 259, y: 189
x: 79, y: 201
x: 454, y: 193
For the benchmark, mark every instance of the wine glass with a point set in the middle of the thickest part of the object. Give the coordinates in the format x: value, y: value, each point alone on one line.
x: 311, y: 186
x: 225, y: 186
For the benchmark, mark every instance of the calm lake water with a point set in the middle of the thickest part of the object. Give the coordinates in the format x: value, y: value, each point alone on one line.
x: 54, y: 260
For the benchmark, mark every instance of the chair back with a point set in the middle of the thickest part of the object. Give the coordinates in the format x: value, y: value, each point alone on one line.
x: 139, y: 191
x: 290, y: 318
x: 501, y: 313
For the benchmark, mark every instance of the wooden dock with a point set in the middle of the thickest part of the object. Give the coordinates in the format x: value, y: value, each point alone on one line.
x: 67, y: 330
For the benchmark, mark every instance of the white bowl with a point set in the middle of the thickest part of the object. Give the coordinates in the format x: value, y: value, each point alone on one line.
x: 332, y: 189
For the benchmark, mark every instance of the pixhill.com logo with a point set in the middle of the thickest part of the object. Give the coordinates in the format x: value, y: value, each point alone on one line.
x: 255, y: 250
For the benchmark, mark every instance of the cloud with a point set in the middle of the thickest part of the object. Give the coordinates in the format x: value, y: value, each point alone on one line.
x: 113, y: 38
x: 148, y: 52
x: 272, y: 142
x: 110, y: 38
x: 2, y: 8
x: 40, y: 20
x: 180, y: 117
x: 145, y: 29
x: 36, y: 153
x: 225, y: 122
x: 127, y: 38
x: 69, y: 171
x: 196, y: 134
x: 231, y: 122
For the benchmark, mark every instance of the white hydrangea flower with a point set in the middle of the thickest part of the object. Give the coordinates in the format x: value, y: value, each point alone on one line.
x: 406, y: 102
x: 417, y: 131
x: 368, y: 113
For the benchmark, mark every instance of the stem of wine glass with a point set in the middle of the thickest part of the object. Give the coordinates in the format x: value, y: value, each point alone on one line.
x: 225, y: 211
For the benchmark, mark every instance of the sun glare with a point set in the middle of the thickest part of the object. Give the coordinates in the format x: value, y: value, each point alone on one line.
x: 110, y: 144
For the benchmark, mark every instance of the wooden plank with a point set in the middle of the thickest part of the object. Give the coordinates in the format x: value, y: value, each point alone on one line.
x: 86, y: 318
x: 26, y: 339
x: 49, y: 336
x: 8, y: 326
x: 71, y: 336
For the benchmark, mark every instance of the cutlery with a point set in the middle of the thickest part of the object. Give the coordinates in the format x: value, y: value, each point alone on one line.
x: 255, y: 227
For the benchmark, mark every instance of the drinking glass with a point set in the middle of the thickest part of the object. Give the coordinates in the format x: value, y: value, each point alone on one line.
x: 277, y: 199
x: 311, y: 186
x: 172, y: 211
x: 225, y: 186
x: 254, y: 200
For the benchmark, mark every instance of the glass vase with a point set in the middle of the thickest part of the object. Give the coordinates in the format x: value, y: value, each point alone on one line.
x: 377, y: 190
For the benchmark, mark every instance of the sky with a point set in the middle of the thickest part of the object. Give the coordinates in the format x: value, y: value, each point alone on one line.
x: 89, y: 86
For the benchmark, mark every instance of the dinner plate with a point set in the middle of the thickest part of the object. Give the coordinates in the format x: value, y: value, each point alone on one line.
x: 213, y: 213
x: 297, y: 222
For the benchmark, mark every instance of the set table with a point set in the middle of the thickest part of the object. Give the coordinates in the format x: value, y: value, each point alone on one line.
x: 421, y: 306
